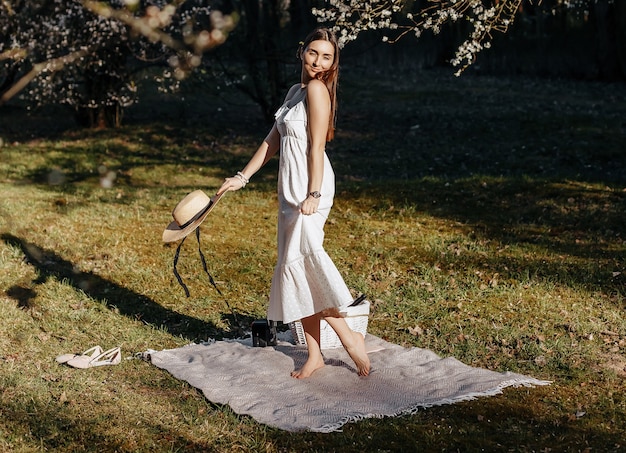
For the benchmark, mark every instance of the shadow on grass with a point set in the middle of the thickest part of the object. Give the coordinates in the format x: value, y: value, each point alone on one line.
x: 510, y: 422
x: 127, y: 302
x: 514, y: 421
x: 571, y: 232
x: 125, y: 150
x: 56, y: 428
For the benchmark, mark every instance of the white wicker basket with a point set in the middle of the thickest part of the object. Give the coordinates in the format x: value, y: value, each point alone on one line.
x: 356, y: 318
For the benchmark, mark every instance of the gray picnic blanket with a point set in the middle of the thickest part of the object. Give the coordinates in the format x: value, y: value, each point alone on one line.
x: 256, y: 381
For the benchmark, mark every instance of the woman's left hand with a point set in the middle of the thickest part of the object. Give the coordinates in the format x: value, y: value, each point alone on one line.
x: 309, y: 205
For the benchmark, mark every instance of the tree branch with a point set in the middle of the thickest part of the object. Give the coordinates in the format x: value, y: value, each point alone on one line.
x: 49, y: 65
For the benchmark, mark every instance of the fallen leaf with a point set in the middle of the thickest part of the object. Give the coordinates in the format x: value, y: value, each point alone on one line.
x: 540, y: 360
x: 417, y: 331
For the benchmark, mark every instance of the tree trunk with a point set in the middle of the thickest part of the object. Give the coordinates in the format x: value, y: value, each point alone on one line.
x: 261, y: 20
x: 606, y: 50
x: 619, y: 16
x: 103, y: 117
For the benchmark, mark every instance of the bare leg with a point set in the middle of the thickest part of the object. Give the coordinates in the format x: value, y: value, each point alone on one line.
x: 315, y: 360
x: 353, y: 342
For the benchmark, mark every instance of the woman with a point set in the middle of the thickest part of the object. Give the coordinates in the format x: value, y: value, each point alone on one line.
x: 306, y: 285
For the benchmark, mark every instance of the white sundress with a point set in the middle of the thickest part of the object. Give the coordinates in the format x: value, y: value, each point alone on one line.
x: 305, y: 280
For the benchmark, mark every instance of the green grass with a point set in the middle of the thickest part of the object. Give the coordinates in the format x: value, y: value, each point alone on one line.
x: 483, y: 217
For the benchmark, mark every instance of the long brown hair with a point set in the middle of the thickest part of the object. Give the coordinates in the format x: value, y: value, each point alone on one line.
x: 329, y: 77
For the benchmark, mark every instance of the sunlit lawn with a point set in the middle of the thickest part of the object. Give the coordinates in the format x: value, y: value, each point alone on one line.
x: 483, y: 217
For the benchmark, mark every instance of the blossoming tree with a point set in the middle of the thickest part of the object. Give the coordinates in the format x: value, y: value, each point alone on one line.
x: 397, y: 18
x: 87, y: 54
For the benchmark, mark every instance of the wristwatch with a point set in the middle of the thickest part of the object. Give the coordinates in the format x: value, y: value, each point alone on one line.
x: 315, y: 194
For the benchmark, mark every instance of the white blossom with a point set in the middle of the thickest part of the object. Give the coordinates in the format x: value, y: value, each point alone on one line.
x: 351, y: 17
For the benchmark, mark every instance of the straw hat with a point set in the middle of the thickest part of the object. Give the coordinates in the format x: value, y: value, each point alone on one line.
x: 188, y: 214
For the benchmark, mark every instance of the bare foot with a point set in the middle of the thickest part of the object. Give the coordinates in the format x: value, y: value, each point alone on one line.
x: 358, y: 354
x: 309, y: 367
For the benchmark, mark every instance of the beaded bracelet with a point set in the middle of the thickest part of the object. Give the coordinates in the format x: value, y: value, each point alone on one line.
x: 242, y: 178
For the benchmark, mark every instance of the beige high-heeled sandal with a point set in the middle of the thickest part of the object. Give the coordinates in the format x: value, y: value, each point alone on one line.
x: 111, y: 357
x: 90, y: 353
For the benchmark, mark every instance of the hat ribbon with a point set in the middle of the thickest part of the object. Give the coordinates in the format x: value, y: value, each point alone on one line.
x: 196, y: 217
x: 204, y: 265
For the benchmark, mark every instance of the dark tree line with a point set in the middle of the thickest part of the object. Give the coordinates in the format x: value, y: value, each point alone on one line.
x: 92, y: 60
x: 586, y: 41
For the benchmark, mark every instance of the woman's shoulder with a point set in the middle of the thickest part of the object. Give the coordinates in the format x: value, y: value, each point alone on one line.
x: 317, y: 89
x: 316, y: 84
